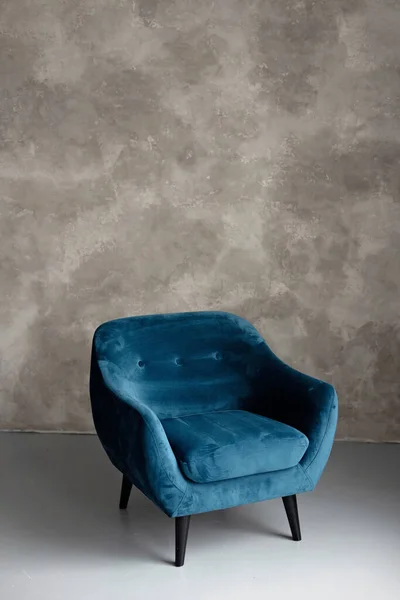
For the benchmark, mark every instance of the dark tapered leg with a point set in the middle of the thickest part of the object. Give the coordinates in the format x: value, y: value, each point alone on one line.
x: 290, y: 503
x: 181, y: 534
x: 125, y: 492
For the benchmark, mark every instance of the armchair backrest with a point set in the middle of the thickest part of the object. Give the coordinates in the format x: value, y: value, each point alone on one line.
x: 184, y: 363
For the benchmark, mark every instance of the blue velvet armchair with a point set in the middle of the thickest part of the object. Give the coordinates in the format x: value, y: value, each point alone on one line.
x: 198, y: 413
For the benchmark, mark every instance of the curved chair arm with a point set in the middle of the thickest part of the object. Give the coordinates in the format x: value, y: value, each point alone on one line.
x: 134, y: 438
x: 306, y: 403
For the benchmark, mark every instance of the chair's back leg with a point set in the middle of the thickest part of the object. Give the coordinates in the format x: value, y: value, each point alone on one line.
x: 125, y: 492
x: 290, y: 503
x: 181, y: 535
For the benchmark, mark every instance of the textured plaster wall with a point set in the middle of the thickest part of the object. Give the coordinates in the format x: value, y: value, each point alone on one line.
x: 183, y: 155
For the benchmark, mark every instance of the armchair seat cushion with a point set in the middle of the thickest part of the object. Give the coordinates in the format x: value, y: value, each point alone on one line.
x: 232, y: 443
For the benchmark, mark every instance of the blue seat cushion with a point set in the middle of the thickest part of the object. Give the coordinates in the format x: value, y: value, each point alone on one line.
x: 232, y: 443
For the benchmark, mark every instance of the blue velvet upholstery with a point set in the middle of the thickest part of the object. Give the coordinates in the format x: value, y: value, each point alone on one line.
x: 232, y: 443
x: 147, y: 370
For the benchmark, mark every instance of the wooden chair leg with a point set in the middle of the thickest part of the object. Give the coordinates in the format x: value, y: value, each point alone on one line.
x: 181, y: 535
x: 125, y: 492
x: 290, y: 504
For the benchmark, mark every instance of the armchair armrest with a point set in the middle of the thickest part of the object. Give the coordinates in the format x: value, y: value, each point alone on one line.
x: 306, y: 403
x: 133, y: 437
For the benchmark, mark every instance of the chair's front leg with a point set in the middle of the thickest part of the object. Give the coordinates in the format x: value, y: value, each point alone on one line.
x: 290, y: 504
x: 181, y: 535
x: 125, y: 492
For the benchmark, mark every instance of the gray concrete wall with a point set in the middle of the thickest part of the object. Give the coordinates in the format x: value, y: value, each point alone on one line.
x: 189, y: 154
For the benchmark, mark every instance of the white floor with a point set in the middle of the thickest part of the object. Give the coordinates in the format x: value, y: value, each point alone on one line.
x: 63, y: 537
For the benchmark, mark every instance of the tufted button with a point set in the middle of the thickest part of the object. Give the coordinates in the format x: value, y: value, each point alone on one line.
x: 218, y: 356
x: 140, y: 364
x: 179, y: 362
